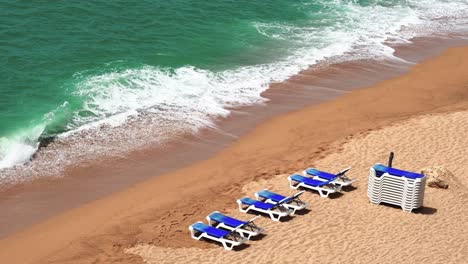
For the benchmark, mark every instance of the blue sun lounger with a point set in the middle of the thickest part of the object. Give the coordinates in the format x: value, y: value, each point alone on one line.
x: 228, y: 239
x: 324, y: 188
x: 291, y: 202
x: 275, y: 211
x: 339, y: 179
x: 245, y: 229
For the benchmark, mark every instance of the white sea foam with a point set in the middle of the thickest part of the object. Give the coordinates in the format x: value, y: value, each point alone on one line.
x: 127, y: 109
x: 16, y: 152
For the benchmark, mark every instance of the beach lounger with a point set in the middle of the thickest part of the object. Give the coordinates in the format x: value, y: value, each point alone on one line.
x: 228, y: 239
x: 340, y: 178
x: 291, y: 202
x: 324, y: 188
x: 246, y: 229
x: 275, y: 211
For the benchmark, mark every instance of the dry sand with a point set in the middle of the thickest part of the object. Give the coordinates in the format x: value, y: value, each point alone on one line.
x: 349, y: 228
x: 152, y: 217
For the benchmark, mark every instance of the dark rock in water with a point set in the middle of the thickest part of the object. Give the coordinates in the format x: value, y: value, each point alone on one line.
x: 46, y: 141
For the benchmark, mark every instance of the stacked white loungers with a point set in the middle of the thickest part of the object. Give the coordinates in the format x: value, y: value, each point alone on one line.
x: 397, y: 187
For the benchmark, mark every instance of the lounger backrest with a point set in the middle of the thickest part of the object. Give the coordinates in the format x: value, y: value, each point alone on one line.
x: 321, y: 174
x: 297, y: 194
x: 309, y: 181
x: 343, y: 172
x: 212, y: 231
x: 381, y: 169
x: 229, y: 221
x: 258, y: 204
x: 271, y: 195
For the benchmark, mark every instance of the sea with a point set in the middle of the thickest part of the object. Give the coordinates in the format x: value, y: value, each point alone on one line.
x: 85, y: 79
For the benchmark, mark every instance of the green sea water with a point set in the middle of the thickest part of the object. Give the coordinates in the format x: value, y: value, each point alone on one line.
x: 65, y: 64
x: 45, y: 45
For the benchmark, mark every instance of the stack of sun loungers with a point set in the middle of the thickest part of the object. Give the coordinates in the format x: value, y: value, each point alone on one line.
x: 397, y: 187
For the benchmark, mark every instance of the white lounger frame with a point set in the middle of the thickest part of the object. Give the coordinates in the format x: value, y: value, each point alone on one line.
x: 245, y: 231
x: 275, y: 215
x: 296, y: 204
x: 323, y: 191
x: 228, y: 244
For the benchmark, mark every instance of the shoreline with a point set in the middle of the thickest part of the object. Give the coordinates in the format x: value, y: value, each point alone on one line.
x: 32, y: 202
x: 255, y: 156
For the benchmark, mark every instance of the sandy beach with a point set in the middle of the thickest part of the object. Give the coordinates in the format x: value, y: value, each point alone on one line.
x: 350, y: 229
x: 421, y: 116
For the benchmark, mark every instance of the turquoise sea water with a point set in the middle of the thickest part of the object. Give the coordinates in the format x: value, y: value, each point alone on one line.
x: 48, y: 48
x: 70, y: 66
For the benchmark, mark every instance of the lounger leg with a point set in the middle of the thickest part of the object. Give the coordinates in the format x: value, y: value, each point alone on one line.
x: 226, y: 246
x: 294, y: 210
x: 243, y: 210
x: 272, y: 216
x: 322, y: 194
x: 244, y: 234
x: 292, y: 185
x: 192, y: 232
x: 246, y: 210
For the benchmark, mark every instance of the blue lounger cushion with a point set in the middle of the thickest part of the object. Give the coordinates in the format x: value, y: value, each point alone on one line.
x: 212, y: 231
x: 229, y: 221
x: 309, y: 181
x: 274, y: 196
x: 258, y: 204
x: 322, y: 174
x: 381, y: 169
x: 271, y: 195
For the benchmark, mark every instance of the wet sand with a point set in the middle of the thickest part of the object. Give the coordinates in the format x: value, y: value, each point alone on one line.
x: 158, y: 211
